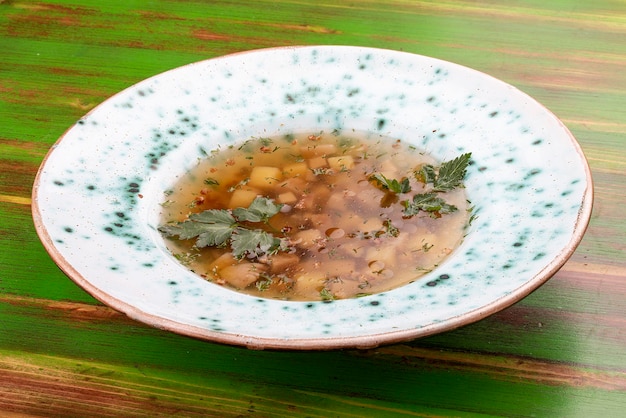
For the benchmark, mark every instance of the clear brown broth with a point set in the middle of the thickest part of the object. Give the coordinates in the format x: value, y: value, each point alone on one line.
x: 337, y: 219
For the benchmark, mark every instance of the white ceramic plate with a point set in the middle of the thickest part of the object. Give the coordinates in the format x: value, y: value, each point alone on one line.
x: 96, y: 197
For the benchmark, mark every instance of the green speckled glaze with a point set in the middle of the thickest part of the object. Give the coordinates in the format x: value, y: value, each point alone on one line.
x: 97, y: 193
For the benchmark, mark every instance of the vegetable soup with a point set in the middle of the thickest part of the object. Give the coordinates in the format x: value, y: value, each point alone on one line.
x: 316, y: 217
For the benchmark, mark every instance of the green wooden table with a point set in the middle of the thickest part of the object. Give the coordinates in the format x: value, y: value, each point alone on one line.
x: 559, y: 352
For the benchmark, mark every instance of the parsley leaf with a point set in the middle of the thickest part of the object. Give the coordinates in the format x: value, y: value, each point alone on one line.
x: 451, y: 173
x: 392, y: 185
x: 426, y: 174
x: 212, y: 227
x: 221, y: 228
x: 254, y: 242
x: 260, y: 210
x: 427, y: 202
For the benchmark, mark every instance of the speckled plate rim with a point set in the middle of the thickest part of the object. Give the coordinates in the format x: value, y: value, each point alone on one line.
x: 332, y: 342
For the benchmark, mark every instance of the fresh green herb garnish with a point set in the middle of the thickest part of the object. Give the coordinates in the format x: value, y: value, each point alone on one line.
x: 254, y: 242
x: 450, y: 176
x: 426, y: 174
x: 222, y: 228
x: 392, y: 185
x: 260, y: 210
x: 427, y: 202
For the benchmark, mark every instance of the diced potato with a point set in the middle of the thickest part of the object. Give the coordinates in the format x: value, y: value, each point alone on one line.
x: 243, y: 274
x: 344, y: 288
x: 287, y: 198
x: 385, y: 254
x: 281, y: 262
x: 388, y: 169
x: 296, y: 169
x: 265, y: 177
x: 315, y: 199
x: 321, y: 193
x: 332, y: 268
x: 336, y: 201
x: 309, y: 283
x: 352, y: 222
x: 342, y: 163
x: 226, y: 259
x: 318, y: 150
x: 317, y: 162
x: 369, y: 198
x: 354, y: 249
x: 296, y: 185
x: 322, y: 221
x: 388, y: 253
x: 242, y: 198
x: 308, y: 238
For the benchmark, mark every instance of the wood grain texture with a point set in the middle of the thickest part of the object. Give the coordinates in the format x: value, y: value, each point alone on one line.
x: 558, y: 352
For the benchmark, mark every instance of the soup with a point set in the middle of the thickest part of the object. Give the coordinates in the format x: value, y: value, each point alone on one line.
x: 316, y: 217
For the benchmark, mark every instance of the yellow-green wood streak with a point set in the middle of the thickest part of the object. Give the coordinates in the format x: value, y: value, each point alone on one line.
x: 559, y: 352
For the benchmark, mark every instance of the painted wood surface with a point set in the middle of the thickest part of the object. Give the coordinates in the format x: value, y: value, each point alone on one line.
x: 559, y: 352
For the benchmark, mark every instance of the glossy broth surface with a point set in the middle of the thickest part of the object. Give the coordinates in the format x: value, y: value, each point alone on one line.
x: 345, y: 235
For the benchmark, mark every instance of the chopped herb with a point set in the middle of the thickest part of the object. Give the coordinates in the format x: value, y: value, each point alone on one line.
x: 185, y: 258
x: 392, y: 185
x: 167, y: 203
x: 326, y: 295
x: 245, y: 146
x: 221, y: 228
x: 266, y: 142
x: 264, y: 284
x: 390, y: 229
x: 321, y: 171
x: 210, y: 181
x: 238, y: 185
x: 346, y: 142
